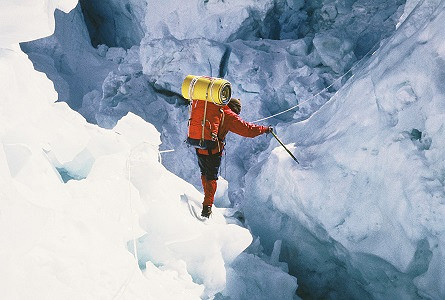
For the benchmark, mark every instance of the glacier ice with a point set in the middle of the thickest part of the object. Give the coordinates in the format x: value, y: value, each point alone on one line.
x: 125, y: 27
x: 367, y: 202
x: 351, y: 221
x: 70, y: 239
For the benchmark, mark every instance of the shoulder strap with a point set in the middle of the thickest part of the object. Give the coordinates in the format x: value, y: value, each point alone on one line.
x: 222, y: 119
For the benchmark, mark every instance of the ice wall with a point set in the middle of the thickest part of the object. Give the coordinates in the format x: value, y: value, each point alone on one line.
x: 115, y: 23
x: 68, y: 58
x: 269, y: 75
x: 214, y: 20
x: 364, y: 213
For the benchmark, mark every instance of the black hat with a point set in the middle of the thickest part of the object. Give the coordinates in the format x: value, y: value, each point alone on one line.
x: 235, y: 105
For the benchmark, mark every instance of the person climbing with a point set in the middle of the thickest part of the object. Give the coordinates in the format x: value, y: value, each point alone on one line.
x: 213, y: 113
x: 209, y: 160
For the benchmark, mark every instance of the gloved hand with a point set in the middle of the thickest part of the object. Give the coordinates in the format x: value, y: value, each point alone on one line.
x: 269, y: 129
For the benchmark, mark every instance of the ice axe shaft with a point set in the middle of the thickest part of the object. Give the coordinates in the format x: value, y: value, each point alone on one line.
x: 281, y: 143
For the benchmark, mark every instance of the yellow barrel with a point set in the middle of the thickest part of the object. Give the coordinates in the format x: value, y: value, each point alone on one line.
x: 204, y: 88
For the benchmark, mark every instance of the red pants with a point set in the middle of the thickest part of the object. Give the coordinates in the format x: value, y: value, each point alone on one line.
x: 209, y: 190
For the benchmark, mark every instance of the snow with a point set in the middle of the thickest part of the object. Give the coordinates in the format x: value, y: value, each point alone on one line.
x: 75, y: 198
x: 38, y: 15
x: 362, y: 216
x: 369, y: 191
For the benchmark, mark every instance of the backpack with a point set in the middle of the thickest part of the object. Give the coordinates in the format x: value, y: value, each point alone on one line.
x: 207, y: 96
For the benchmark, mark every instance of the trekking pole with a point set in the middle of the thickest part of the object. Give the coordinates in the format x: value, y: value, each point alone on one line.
x: 290, y: 153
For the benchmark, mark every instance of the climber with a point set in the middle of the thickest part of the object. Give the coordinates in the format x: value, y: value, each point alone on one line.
x: 209, y: 160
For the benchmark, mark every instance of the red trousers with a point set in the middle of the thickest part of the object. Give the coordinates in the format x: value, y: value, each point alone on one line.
x: 209, y: 190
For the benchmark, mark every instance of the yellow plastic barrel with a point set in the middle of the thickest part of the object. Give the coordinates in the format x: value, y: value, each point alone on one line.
x: 204, y: 88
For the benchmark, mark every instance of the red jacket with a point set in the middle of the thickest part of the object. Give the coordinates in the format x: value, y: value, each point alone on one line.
x: 232, y: 122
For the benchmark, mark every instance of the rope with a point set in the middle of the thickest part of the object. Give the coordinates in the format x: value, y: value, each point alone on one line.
x: 131, y: 205
x: 124, y: 286
x: 191, y: 91
x: 212, y: 83
x: 128, y: 165
x: 166, y: 151
x: 163, y: 151
x: 225, y: 163
x: 323, y: 90
x: 192, y: 86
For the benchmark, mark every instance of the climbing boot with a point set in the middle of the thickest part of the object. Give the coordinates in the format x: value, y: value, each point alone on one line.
x: 206, y: 211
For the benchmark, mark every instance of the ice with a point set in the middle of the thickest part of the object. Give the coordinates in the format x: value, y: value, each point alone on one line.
x: 161, y: 58
x: 40, y: 21
x: 16, y: 156
x: 114, y: 22
x: 300, y: 77
x: 222, y: 193
x: 334, y: 52
x: 212, y: 19
x: 69, y: 60
x: 361, y: 216
x: 248, y: 278
x: 172, y: 281
x: 298, y: 47
x: 96, y: 211
x: 70, y: 238
x: 368, y: 194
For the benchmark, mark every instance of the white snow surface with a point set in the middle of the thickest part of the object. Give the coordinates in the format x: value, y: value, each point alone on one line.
x: 35, y: 19
x: 76, y: 198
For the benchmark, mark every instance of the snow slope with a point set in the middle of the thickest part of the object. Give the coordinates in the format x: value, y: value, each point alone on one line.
x: 76, y: 198
x: 352, y: 221
x: 364, y: 213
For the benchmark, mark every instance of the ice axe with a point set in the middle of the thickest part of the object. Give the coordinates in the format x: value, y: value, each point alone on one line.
x: 281, y: 143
